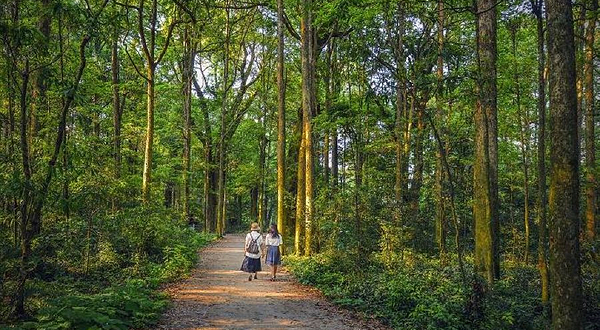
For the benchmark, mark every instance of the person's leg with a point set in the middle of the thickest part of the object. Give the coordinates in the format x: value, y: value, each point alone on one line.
x: 275, y: 271
x: 255, y: 276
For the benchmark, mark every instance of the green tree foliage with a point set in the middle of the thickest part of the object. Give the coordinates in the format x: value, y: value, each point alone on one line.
x: 385, y: 122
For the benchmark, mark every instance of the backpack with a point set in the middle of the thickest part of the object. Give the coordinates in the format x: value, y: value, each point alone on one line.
x: 253, y: 246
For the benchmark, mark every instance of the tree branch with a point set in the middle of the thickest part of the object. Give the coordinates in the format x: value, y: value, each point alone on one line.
x: 290, y: 28
x: 166, y: 46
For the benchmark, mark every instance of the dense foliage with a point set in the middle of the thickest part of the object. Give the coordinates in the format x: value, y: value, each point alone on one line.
x: 418, y: 292
x: 126, y: 127
x: 110, y: 280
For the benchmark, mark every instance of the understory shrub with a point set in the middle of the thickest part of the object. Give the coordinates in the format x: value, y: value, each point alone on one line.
x: 109, y: 277
x: 422, y: 294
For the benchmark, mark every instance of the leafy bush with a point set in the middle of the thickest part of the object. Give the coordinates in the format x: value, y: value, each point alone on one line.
x: 109, y: 279
x: 132, y: 304
x: 421, y: 294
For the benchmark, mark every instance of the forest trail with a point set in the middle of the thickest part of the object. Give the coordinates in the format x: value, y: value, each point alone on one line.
x: 219, y: 296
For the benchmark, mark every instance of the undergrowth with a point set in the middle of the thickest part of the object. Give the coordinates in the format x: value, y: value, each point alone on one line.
x: 420, y: 293
x: 111, y: 280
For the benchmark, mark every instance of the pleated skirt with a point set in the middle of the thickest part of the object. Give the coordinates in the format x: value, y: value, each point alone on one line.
x: 273, y: 256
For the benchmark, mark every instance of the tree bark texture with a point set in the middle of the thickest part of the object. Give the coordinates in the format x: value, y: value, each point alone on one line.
x: 590, y: 148
x: 116, y: 104
x: 300, y: 198
x: 308, y: 52
x: 485, y: 171
x: 148, y: 43
x: 222, y: 134
x: 563, y: 202
x: 541, y: 200
x: 188, y: 69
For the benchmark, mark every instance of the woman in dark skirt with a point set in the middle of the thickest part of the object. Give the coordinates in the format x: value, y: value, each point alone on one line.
x: 273, y: 241
x: 253, y: 251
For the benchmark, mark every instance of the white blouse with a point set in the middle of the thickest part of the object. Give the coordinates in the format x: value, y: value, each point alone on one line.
x: 254, y: 235
x: 273, y: 241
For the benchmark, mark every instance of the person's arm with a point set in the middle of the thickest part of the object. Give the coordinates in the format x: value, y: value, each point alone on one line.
x: 246, y: 242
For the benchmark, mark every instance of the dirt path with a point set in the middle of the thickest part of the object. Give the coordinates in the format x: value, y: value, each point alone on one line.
x: 219, y: 296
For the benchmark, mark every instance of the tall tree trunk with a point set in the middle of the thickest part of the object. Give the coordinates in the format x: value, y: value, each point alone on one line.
x: 222, y: 134
x: 417, y: 180
x: 358, y: 179
x: 254, y: 203
x: 149, y: 134
x: 579, y: 64
x: 40, y: 77
x: 262, y: 157
x: 333, y: 133
x: 148, y: 43
x: 541, y: 200
x: 188, y: 68
x: 116, y: 103
x: 281, y: 221
x: 150, y: 71
x: 485, y: 172
x: 328, y: 77
x: 308, y: 109
x: 590, y: 148
x: 210, y: 196
x: 440, y: 205
x: 400, y: 121
x: 524, y: 136
x: 565, y: 270
x: 292, y: 154
x: 65, y: 154
x: 25, y: 233
x: 210, y: 173
x: 300, y: 197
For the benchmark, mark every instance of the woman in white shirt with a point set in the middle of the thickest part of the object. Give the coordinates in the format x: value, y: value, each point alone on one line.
x: 252, y: 251
x: 273, y: 241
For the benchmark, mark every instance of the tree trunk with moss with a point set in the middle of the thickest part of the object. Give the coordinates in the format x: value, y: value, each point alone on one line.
x: 485, y: 171
x: 565, y: 272
x: 590, y: 148
x: 188, y: 62
x: 541, y: 200
x: 308, y: 106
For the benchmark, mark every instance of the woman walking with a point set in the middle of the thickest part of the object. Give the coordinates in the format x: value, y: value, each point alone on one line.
x: 253, y: 251
x: 273, y: 241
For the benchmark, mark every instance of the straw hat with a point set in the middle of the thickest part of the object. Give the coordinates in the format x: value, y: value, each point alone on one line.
x: 254, y: 226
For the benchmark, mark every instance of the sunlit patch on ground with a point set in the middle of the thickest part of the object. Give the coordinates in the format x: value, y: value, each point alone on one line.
x: 219, y: 296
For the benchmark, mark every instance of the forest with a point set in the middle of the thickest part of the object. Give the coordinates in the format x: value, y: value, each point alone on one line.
x: 430, y: 163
